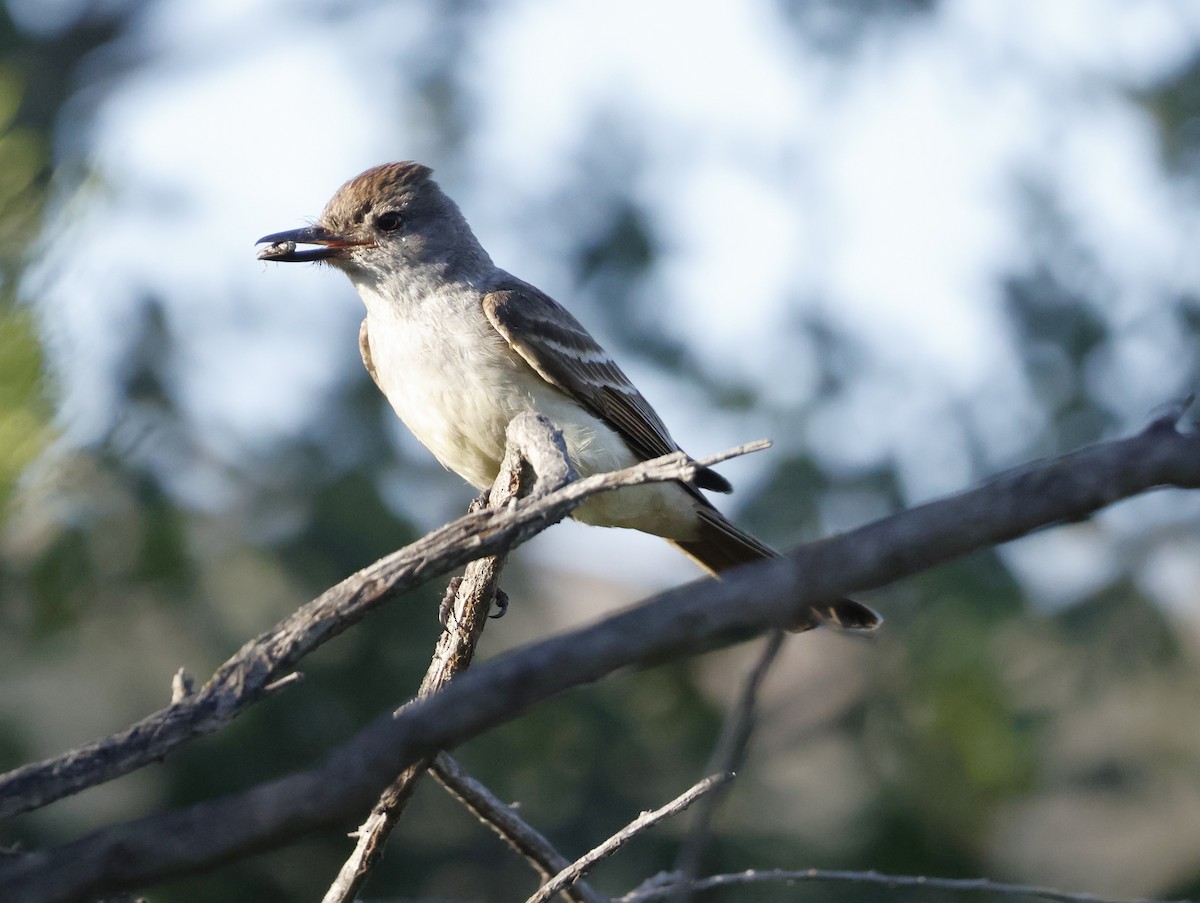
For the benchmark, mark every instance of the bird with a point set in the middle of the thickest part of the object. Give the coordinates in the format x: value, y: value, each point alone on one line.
x: 459, y: 347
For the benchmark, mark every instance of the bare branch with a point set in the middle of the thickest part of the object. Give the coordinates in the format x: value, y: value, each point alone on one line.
x: 531, y: 443
x: 580, y: 866
x: 511, y: 828
x: 456, y: 646
x: 243, y: 679
x: 662, y: 886
x: 728, y: 756
x: 684, y: 620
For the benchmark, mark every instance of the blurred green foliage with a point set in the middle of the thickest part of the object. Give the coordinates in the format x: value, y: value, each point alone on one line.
x: 23, y: 408
x: 974, y: 705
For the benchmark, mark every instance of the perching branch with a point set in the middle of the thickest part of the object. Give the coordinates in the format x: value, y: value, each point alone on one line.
x: 684, y: 620
x: 531, y: 444
x: 472, y: 599
x: 244, y: 679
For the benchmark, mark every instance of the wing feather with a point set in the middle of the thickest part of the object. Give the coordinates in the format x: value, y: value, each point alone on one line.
x: 564, y: 354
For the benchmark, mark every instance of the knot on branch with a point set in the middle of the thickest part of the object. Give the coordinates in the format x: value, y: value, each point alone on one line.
x: 534, y: 447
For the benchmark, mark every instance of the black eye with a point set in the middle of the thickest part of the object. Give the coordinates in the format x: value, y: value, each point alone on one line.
x: 389, y: 220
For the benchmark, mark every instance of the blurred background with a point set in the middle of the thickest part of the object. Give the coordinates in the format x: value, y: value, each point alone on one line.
x: 914, y: 243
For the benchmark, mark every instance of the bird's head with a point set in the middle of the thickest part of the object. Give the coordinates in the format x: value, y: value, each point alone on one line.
x: 388, y: 220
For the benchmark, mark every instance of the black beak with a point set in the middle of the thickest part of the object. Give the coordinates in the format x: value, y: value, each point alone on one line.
x: 281, y: 246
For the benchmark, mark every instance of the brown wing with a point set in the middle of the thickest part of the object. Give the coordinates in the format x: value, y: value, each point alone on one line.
x: 564, y: 354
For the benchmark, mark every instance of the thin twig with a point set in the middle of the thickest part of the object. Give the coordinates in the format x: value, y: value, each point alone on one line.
x: 746, y: 448
x: 727, y: 756
x: 512, y: 829
x: 284, y: 682
x: 662, y: 886
x: 580, y: 866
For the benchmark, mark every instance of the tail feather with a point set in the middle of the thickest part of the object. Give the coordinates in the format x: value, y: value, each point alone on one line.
x: 720, y: 546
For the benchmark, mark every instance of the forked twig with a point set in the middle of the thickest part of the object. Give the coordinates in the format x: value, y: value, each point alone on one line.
x: 647, y: 819
x: 512, y: 829
x: 531, y: 441
x: 727, y: 756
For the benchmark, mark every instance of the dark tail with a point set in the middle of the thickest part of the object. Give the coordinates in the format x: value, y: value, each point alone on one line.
x: 721, y: 546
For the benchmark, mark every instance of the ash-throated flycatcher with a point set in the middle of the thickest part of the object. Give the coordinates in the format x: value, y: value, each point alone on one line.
x: 460, y: 347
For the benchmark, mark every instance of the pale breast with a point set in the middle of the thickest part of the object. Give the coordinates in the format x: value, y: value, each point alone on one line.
x: 455, y: 386
x: 456, y: 383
